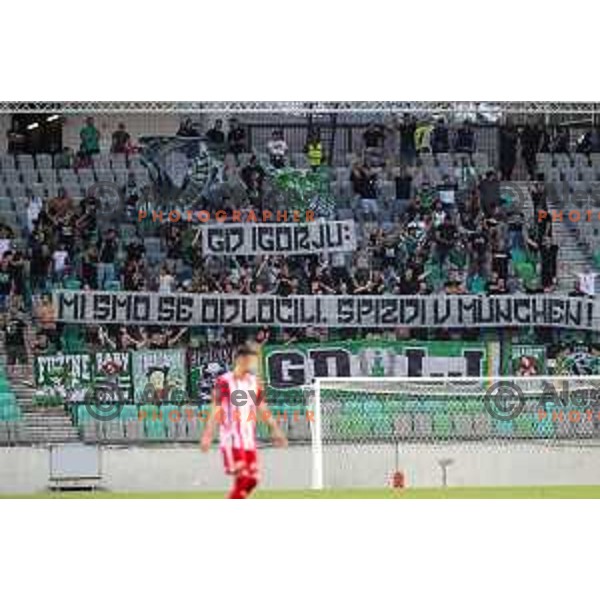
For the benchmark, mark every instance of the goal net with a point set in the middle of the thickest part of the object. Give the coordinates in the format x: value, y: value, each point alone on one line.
x: 364, y: 427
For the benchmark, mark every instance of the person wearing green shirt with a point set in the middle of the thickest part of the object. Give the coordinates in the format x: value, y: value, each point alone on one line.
x: 90, y: 138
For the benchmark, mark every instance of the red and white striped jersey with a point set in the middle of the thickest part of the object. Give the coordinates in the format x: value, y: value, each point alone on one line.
x: 237, y: 416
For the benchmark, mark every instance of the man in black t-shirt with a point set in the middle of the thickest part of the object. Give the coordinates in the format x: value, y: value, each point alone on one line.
x: 440, y: 139
x: 6, y: 281
x: 489, y: 190
x: 14, y: 340
x: 548, y: 256
x: 107, y: 254
x: 236, y: 138
x: 253, y: 176
x: 120, y: 140
x: 404, y: 186
x: 445, y: 237
x: 408, y: 151
x: 373, y: 136
x: 215, y: 136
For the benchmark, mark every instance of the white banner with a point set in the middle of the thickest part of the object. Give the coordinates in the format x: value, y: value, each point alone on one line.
x: 151, y: 308
x: 279, y: 238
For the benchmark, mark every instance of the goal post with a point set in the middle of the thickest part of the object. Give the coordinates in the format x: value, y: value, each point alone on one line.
x: 362, y: 427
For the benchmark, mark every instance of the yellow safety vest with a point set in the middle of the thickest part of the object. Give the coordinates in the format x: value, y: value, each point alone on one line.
x: 423, y: 136
x: 315, y: 154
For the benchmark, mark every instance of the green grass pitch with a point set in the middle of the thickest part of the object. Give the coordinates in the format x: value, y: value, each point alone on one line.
x: 525, y: 492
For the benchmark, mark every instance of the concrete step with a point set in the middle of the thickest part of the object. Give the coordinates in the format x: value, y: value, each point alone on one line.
x: 41, y: 424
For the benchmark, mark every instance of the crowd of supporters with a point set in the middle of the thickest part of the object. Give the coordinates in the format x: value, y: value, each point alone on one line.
x: 454, y: 233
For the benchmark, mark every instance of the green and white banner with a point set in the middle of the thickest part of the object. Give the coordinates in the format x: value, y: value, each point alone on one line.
x: 72, y: 376
x: 159, y: 376
x: 527, y: 361
x: 204, y: 366
x: 114, y: 367
x: 580, y: 359
x: 68, y: 376
x: 286, y: 367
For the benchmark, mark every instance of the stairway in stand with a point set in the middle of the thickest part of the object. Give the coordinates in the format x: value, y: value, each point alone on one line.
x: 573, y: 256
x: 40, y: 425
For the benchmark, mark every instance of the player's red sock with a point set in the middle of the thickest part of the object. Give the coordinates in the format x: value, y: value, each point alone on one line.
x: 243, y: 486
x: 239, y: 491
x: 251, y: 483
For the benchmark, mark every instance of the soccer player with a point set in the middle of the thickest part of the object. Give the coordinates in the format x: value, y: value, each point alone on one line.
x: 237, y: 402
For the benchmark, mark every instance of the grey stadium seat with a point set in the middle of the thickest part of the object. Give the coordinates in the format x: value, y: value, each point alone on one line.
x: 118, y: 161
x: 43, y: 161
x: 7, y: 162
x: 134, y: 430
x: 113, y: 431
x: 4, y: 436
x: 90, y: 431
x: 403, y: 425
x: 296, y: 430
x: 101, y: 162
x: 423, y: 426
x: 176, y: 430
x: 48, y: 175
x: 193, y: 429
x: 463, y: 425
x: 481, y: 425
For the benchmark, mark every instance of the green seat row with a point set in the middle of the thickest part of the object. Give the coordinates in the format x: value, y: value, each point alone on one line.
x: 7, y: 398
x: 10, y: 412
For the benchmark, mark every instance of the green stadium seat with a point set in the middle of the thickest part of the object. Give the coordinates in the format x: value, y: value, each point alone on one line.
x: 543, y: 427
x: 353, y: 426
x: 456, y: 406
x: 113, y: 286
x: 442, y: 425
x: 425, y: 406
x: 9, y: 408
x: 503, y: 428
x: 375, y: 413
x: 394, y: 406
x: 155, y: 429
x: 72, y: 284
x: 383, y: 425
x: 524, y: 425
x: 473, y: 406
x: 82, y: 414
x: 129, y: 413
x: 262, y: 431
x: 352, y: 407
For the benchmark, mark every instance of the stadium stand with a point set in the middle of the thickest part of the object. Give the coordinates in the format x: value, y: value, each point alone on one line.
x: 441, y: 208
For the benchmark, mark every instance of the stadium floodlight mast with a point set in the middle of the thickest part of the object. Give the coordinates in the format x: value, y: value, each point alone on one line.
x: 360, y: 424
